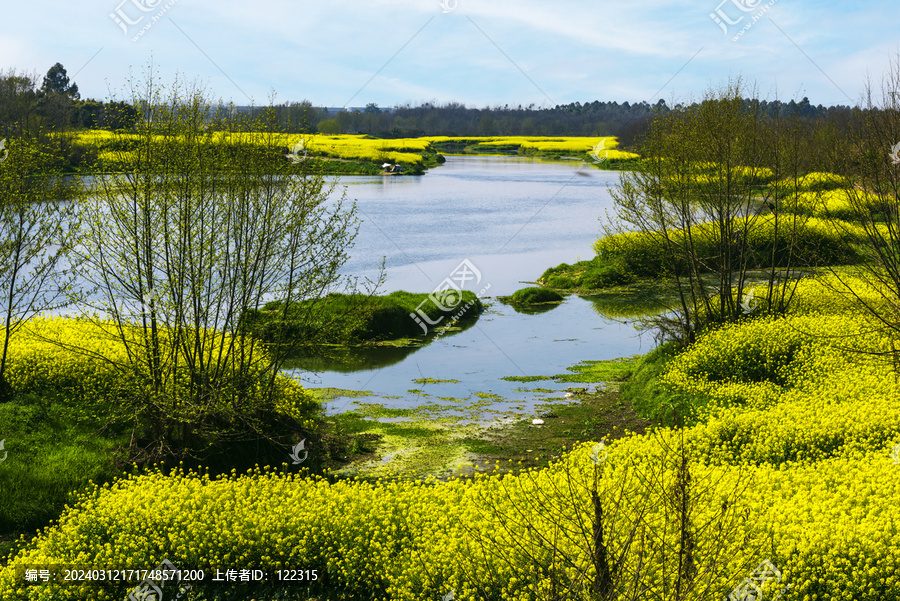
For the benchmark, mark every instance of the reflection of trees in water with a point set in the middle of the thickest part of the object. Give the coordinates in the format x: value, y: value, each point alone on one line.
x: 532, y: 309
x: 628, y: 306
x: 347, y: 359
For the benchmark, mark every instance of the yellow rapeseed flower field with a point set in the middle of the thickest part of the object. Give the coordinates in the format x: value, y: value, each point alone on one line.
x: 114, y: 150
x: 794, y: 411
x: 604, y: 147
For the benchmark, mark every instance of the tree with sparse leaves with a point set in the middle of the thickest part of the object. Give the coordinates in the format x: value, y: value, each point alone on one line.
x: 200, y: 228
x: 36, y: 225
x: 710, y: 192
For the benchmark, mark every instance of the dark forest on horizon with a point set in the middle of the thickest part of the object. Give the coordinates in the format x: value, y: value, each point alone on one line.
x: 53, y: 103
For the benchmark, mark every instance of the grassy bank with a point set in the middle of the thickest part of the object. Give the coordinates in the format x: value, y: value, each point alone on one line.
x: 106, y: 151
x: 599, y: 151
x: 354, y: 319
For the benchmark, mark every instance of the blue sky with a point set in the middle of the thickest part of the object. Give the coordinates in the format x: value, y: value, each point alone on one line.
x: 478, y: 52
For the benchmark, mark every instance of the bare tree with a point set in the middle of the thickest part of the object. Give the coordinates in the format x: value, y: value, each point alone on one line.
x: 201, y: 226
x: 701, y: 196
x: 869, y: 157
x: 36, y: 221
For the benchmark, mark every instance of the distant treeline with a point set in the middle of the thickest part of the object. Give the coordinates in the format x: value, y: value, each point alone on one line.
x: 55, y: 105
x: 596, y: 118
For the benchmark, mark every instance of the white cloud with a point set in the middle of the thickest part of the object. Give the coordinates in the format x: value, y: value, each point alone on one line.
x: 571, y: 49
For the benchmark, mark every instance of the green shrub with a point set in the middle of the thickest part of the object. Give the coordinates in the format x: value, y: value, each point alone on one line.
x: 357, y: 318
x: 534, y: 296
x: 605, y: 276
x: 562, y: 268
x: 595, y: 274
x: 560, y: 282
x: 815, y: 242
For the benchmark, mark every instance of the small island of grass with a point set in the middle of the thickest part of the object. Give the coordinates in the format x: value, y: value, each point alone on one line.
x: 361, y: 319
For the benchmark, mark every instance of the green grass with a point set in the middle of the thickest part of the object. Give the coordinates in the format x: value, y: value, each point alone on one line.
x: 614, y: 370
x: 533, y: 300
x: 587, y: 276
x: 642, y: 390
x: 359, y: 318
x: 50, y: 454
x: 526, y: 378
x: 534, y: 296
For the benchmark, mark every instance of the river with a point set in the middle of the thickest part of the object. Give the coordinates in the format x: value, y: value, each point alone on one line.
x: 510, y: 218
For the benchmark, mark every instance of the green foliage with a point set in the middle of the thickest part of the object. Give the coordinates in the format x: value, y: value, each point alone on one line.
x: 532, y: 301
x: 604, y: 277
x: 535, y: 295
x: 196, y: 228
x: 57, y: 82
x: 812, y: 242
x: 647, y: 395
x: 355, y: 318
x: 329, y: 127
x: 559, y: 282
x: 586, y: 276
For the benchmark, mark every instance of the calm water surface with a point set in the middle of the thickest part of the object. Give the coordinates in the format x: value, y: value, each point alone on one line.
x: 511, y: 218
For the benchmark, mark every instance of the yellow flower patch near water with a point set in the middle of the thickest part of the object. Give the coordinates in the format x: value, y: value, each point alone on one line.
x: 114, y: 148
x: 348, y: 147
x: 830, y: 525
x: 797, y: 418
x: 86, y: 364
x: 603, y: 146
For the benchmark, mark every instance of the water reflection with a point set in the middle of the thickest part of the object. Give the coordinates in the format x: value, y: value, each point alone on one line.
x: 630, y: 306
x: 347, y: 359
x: 532, y: 309
x: 502, y: 343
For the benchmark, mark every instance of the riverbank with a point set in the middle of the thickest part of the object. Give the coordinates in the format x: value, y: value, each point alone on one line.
x: 102, y: 151
x: 428, y: 442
